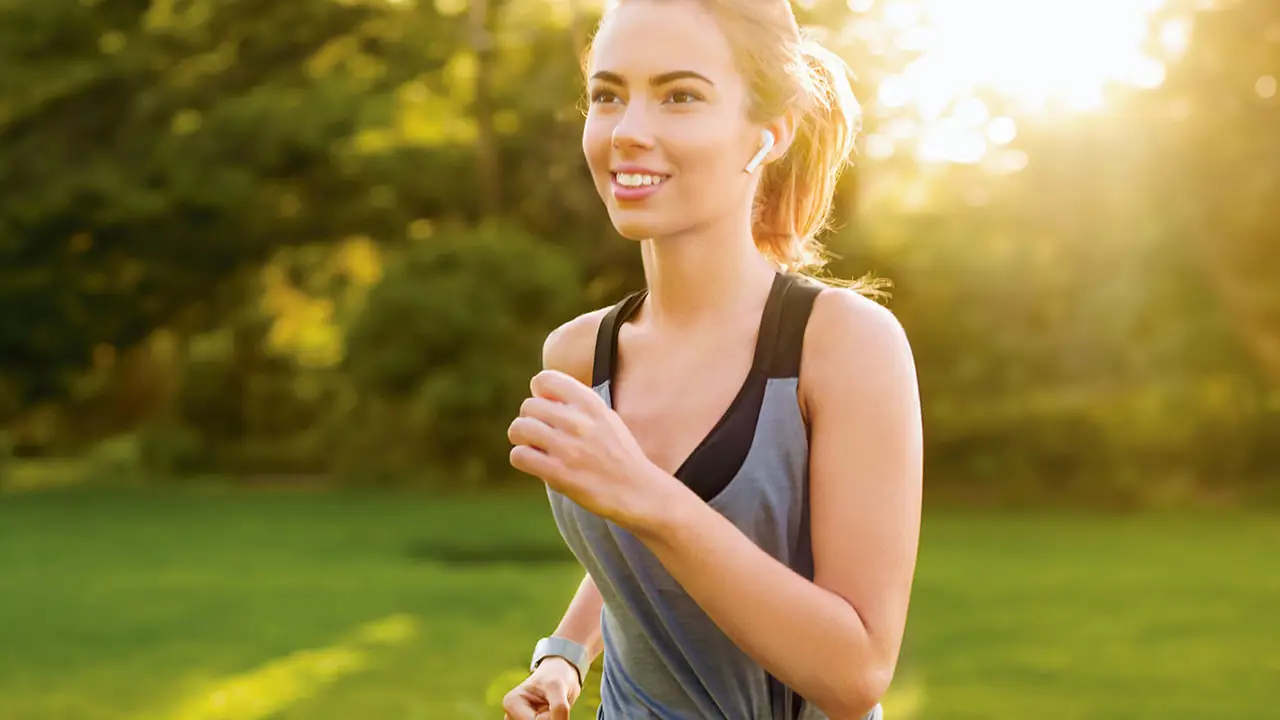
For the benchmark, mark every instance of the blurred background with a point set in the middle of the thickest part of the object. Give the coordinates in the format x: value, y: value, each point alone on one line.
x: 274, y: 278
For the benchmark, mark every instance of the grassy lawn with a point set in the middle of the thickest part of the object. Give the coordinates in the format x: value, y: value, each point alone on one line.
x: 212, y: 604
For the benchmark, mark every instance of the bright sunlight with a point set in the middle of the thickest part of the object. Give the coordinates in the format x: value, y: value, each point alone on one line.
x: 1037, y: 57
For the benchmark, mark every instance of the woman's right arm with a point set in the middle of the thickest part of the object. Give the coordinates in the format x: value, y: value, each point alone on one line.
x: 570, y: 349
x: 554, y: 686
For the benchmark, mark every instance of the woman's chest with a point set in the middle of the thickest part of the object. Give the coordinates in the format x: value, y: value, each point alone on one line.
x: 671, y: 412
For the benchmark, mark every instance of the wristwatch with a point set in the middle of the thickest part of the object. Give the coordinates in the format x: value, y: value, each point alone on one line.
x: 575, y: 654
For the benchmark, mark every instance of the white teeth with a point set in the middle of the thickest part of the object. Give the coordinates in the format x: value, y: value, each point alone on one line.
x: 638, y: 180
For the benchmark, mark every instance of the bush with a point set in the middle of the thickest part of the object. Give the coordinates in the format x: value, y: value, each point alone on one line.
x: 6, y: 457
x: 442, y: 355
x: 1175, y: 443
x: 168, y: 451
x: 114, y: 462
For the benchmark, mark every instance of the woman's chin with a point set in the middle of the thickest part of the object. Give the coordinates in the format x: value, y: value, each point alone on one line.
x: 634, y: 228
x: 632, y: 232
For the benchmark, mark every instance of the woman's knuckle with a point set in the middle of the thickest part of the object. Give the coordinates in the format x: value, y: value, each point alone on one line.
x: 528, y: 406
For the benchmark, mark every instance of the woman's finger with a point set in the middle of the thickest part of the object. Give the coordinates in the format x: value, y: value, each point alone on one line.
x: 517, y: 705
x: 558, y: 415
x: 532, y: 432
x: 555, y: 385
x: 537, y: 463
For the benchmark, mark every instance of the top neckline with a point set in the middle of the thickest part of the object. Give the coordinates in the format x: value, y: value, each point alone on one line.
x: 766, y: 340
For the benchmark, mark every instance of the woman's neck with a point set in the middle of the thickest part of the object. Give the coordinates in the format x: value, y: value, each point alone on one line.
x: 699, y: 279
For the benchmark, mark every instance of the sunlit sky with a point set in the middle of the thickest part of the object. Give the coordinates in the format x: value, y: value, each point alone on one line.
x: 1040, y: 56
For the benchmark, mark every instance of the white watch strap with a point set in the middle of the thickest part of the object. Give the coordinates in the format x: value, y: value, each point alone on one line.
x: 574, y: 653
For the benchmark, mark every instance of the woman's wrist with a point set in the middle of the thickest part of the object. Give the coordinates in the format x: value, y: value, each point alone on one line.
x: 573, y: 653
x: 666, y: 508
x: 562, y: 666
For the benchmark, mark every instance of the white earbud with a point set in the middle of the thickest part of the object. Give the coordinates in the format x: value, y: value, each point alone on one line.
x: 767, y: 141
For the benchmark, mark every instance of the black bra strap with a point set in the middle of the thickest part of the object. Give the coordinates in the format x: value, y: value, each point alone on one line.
x: 607, y: 337
x: 771, y: 322
x: 788, y: 346
x: 778, y: 347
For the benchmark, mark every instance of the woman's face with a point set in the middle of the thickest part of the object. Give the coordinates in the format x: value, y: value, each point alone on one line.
x: 667, y: 133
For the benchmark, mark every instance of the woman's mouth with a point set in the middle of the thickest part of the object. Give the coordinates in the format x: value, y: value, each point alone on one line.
x: 634, y: 186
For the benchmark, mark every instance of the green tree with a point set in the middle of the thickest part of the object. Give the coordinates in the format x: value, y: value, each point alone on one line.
x: 1219, y: 110
x: 443, y: 353
x: 150, y: 151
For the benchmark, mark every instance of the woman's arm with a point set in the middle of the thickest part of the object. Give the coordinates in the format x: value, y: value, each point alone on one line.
x: 571, y: 350
x: 553, y: 687
x: 581, y: 622
x: 835, y: 640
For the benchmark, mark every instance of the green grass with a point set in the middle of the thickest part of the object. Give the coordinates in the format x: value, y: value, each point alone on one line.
x: 119, y: 605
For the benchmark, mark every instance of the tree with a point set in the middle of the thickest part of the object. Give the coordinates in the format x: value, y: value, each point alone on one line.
x: 151, y: 151
x: 1225, y: 152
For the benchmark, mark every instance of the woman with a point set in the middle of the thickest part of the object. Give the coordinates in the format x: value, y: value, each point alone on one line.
x: 733, y: 454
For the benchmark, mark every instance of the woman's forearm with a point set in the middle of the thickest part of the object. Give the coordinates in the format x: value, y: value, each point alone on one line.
x: 581, y: 621
x: 809, y: 638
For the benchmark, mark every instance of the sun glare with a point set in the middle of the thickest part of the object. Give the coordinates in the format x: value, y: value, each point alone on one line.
x: 1037, y: 56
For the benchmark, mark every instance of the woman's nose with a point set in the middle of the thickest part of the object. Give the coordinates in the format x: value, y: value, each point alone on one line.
x: 635, y: 128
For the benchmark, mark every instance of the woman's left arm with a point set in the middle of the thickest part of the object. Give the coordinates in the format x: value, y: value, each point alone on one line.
x: 835, y: 640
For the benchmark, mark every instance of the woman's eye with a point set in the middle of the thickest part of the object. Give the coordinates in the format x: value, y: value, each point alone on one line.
x: 603, y: 96
x: 680, y: 97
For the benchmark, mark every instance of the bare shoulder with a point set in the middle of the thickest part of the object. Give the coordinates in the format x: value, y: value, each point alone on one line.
x: 846, y: 320
x: 570, y: 348
x: 854, y: 345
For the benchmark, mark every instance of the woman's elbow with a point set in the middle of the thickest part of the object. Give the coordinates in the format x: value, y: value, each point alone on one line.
x: 858, y: 694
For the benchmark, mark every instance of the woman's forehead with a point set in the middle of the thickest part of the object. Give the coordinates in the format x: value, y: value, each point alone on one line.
x: 642, y: 39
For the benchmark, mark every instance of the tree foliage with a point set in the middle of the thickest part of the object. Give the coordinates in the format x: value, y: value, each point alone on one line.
x: 350, y: 223
x: 150, y: 151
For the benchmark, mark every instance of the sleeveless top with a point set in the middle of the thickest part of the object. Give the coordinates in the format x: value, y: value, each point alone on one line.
x: 664, y: 657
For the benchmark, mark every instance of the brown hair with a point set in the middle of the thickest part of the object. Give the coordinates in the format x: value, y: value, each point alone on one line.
x: 786, y: 71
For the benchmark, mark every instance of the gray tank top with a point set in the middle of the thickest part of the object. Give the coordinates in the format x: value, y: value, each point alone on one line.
x: 663, y: 656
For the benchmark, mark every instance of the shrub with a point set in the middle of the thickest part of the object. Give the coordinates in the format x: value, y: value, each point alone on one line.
x: 442, y: 355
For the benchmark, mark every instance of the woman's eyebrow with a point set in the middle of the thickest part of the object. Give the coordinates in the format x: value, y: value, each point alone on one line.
x: 656, y: 80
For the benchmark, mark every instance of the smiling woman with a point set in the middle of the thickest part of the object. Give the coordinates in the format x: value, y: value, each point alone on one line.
x: 734, y: 452
x: 797, y: 91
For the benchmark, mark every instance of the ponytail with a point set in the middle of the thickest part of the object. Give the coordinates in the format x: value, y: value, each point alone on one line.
x: 796, y: 193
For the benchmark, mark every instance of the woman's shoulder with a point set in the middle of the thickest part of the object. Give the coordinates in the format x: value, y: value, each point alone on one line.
x: 571, y: 347
x: 844, y: 310
x: 847, y: 329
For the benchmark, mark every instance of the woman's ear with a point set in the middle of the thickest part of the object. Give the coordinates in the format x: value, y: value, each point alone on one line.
x: 784, y: 133
x: 766, y: 147
x: 775, y: 140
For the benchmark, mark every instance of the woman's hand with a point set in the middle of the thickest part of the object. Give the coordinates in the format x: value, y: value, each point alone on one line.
x: 547, y: 694
x: 567, y: 436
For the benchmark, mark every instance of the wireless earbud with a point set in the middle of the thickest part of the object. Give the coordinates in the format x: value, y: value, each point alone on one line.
x: 767, y: 141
